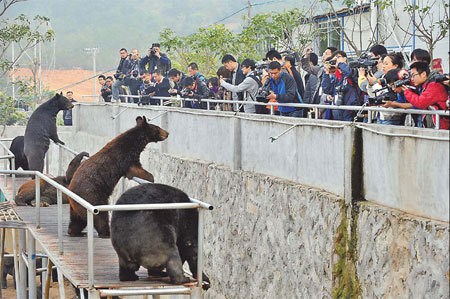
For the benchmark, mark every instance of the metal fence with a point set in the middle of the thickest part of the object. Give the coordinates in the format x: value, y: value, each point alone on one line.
x: 94, y: 210
x: 165, y: 101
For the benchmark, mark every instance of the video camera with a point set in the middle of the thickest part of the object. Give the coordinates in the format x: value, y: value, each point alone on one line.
x: 387, y: 96
x: 406, y: 80
x: 263, y: 92
x: 260, y: 68
x: 366, y: 62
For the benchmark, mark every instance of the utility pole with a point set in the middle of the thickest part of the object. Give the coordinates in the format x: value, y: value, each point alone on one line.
x: 249, y: 17
x: 13, y: 73
x: 94, y: 52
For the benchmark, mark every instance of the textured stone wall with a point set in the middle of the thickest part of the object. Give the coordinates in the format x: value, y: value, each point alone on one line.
x: 401, y: 256
x: 272, y: 238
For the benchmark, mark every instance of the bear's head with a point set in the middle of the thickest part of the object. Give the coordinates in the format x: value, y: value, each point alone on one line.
x: 62, y: 102
x: 152, y: 132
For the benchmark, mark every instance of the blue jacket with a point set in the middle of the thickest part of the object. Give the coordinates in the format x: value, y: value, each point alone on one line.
x: 286, y: 90
x: 331, y: 83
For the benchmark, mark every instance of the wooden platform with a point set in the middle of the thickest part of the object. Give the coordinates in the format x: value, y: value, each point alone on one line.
x: 73, y: 262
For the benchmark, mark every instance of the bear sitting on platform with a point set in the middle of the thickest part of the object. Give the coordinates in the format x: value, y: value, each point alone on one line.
x: 27, y: 192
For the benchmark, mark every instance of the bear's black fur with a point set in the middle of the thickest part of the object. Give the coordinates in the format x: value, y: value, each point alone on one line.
x: 155, y: 239
x: 41, y: 128
x: 96, y: 178
x: 20, y: 159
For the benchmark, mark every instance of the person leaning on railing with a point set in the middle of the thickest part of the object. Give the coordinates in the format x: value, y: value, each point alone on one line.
x: 283, y: 90
x: 431, y: 95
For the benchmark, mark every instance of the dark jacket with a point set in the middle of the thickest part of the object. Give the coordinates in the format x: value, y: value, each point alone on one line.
x: 342, y: 79
x: 201, y: 91
x: 135, y: 65
x: 153, y: 62
x: 310, y: 90
x: 177, y: 85
x: 298, y: 81
x: 239, y: 78
x: 286, y: 90
x: 161, y: 89
x: 106, y: 93
x: 124, y: 66
x: 67, y: 116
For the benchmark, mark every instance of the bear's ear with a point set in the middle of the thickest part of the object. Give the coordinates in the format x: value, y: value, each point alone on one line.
x: 61, y: 93
x: 144, y: 118
x: 139, y: 120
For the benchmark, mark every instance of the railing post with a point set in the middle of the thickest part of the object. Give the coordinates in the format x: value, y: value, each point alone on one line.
x: 13, y: 166
x: 38, y: 200
x: 272, y: 110
x: 31, y: 248
x: 438, y: 122
x: 47, y: 163
x: 60, y: 226
x: 90, y: 238
x: 60, y: 170
x: 22, y: 266
x: 16, y: 264
x: 200, y: 253
x: 207, y: 105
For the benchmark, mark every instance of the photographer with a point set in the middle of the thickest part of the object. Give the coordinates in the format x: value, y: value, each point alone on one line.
x: 161, y: 86
x: 249, y: 86
x: 177, y: 77
x: 430, y: 93
x: 155, y: 60
x: 369, y: 78
x: 338, y: 84
x: 311, y: 82
x: 122, y: 70
x: 283, y: 90
x: 106, y: 90
x: 133, y: 77
x: 289, y: 66
x: 195, y: 90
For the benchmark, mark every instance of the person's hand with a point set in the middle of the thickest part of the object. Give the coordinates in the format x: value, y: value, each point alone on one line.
x: 157, y: 54
x: 221, y: 80
x: 329, y: 98
x: 401, y: 73
x: 191, y: 94
x: 271, y: 96
x: 362, y: 72
x: 152, y: 94
x: 404, y: 88
x: 389, y: 104
x: 371, y: 78
x: 327, y: 67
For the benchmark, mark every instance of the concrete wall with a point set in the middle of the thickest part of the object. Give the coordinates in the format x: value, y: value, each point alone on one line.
x: 273, y: 237
x: 398, y: 172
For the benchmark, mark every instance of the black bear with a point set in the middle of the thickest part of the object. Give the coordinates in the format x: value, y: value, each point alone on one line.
x: 41, y: 128
x: 20, y: 159
x: 96, y: 178
x: 8, y: 268
x: 155, y: 239
x: 27, y: 192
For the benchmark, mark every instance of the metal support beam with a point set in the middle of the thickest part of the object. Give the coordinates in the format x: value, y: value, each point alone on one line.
x: 22, y: 266
x: 38, y: 201
x: 60, y: 225
x: 62, y: 294
x: 90, y: 237
x: 31, y: 249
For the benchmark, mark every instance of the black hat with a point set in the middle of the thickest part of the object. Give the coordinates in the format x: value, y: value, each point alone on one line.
x: 156, y: 45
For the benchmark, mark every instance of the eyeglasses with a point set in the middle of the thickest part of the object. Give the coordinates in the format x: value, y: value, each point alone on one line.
x: 413, y: 75
x: 108, y: 81
x: 339, y: 56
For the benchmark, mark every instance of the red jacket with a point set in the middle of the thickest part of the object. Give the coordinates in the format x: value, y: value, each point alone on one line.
x: 433, y: 94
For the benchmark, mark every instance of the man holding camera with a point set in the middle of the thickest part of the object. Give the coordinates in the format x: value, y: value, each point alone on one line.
x: 177, y: 77
x: 122, y: 70
x: 430, y: 93
x: 195, y: 90
x: 340, y: 87
x: 368, y: 78
x: 133, y: 77
x: 249, y: 86
x: 106, y: 90
x: 283, y: 90
x: 155, y: 60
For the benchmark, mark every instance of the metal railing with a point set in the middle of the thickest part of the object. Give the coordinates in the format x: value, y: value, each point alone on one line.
x: 164, y: 101
x: 12, y: 159
x: 94, y: 210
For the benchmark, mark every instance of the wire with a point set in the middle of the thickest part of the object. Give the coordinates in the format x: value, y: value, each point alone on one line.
x: 246, y: 7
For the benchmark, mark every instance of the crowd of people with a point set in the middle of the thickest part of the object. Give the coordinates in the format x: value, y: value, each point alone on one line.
x: 377, y: 78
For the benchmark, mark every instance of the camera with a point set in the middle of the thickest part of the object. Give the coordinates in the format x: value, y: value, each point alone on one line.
x: 378, y: 100
x: 185, y: 92
x: 260, y: 68
x: 340, y: 90
x: 152, y: 52
x: 366, y: 62
x: 262, y: 93
x: 146, y: 84
x: 440, y: 78
x: 118, y: 75
x: 135, y: 73
x: 406, y: 80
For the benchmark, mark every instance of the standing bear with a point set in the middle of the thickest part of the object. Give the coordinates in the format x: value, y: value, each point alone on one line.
x: 41, y: 128
x: 96, y: 178
x: 155, y: 239
x: 20, y: 160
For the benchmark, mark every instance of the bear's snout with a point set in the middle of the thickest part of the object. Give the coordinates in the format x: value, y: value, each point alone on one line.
x: 70, y: 105
x: 163, y: 134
